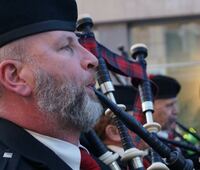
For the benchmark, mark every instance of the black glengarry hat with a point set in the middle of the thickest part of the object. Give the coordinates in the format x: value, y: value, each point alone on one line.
x: 20, y: 18
x: 168, y: 87
x: 125, y: 95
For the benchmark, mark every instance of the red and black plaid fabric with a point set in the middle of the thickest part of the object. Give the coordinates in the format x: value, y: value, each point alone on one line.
x: 116, y: 63
x: 140, y: 117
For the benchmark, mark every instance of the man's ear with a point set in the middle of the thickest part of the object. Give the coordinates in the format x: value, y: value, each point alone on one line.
x: 112, y: 133
x: 11, y: 77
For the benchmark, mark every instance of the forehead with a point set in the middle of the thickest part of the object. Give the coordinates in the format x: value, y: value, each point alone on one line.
x: 47, y: 40
x: 53, y: 36
x: 165, y: 101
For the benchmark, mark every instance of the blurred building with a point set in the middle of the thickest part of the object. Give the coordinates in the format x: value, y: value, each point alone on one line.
x: 170, y: 29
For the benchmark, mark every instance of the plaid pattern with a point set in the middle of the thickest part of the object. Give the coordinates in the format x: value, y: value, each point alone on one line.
x: 116, y: 63
x: 121, y: 65
x: 140, y: 117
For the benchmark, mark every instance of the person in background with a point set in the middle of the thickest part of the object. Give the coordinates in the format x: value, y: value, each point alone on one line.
x: 166, y: 110
x: 166, y: 103
x: 46, y: 86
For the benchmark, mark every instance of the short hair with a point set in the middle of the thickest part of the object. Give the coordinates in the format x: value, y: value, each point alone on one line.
x: 100, y: 127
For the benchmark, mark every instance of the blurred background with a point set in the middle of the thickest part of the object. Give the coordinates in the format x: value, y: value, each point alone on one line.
x: 171, y: 31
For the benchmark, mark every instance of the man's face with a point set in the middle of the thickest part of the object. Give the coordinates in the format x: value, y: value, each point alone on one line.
x: 64, y: 73
x: 165, y: 112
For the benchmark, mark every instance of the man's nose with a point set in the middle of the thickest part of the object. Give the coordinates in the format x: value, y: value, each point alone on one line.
x: 88, y: 61
x: 175, y: 110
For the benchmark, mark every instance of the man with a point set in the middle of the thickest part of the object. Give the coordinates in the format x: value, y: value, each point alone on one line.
x: 165, y: 103
x: 46, y: 86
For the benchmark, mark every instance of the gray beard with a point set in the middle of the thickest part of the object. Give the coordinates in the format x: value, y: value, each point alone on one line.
x: 66, y: 102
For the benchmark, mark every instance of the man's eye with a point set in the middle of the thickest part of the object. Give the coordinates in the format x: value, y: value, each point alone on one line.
x: 67, y: 48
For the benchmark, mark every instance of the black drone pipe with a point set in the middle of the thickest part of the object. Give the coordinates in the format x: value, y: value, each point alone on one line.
x: 181, y: 144
x: 139, y: 53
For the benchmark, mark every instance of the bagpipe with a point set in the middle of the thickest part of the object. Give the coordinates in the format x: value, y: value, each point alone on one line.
x: 135, y: 69
x: 131, y: 155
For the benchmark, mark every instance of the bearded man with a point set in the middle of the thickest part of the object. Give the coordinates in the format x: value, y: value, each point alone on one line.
x: 46, y: 86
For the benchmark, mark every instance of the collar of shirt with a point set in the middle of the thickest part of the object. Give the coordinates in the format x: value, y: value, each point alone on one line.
x: 66, y: 151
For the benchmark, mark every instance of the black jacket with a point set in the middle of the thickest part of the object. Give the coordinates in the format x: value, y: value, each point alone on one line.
x: 20, y: 151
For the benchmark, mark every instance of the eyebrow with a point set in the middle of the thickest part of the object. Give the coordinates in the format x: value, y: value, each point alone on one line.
x: 65, y: 39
